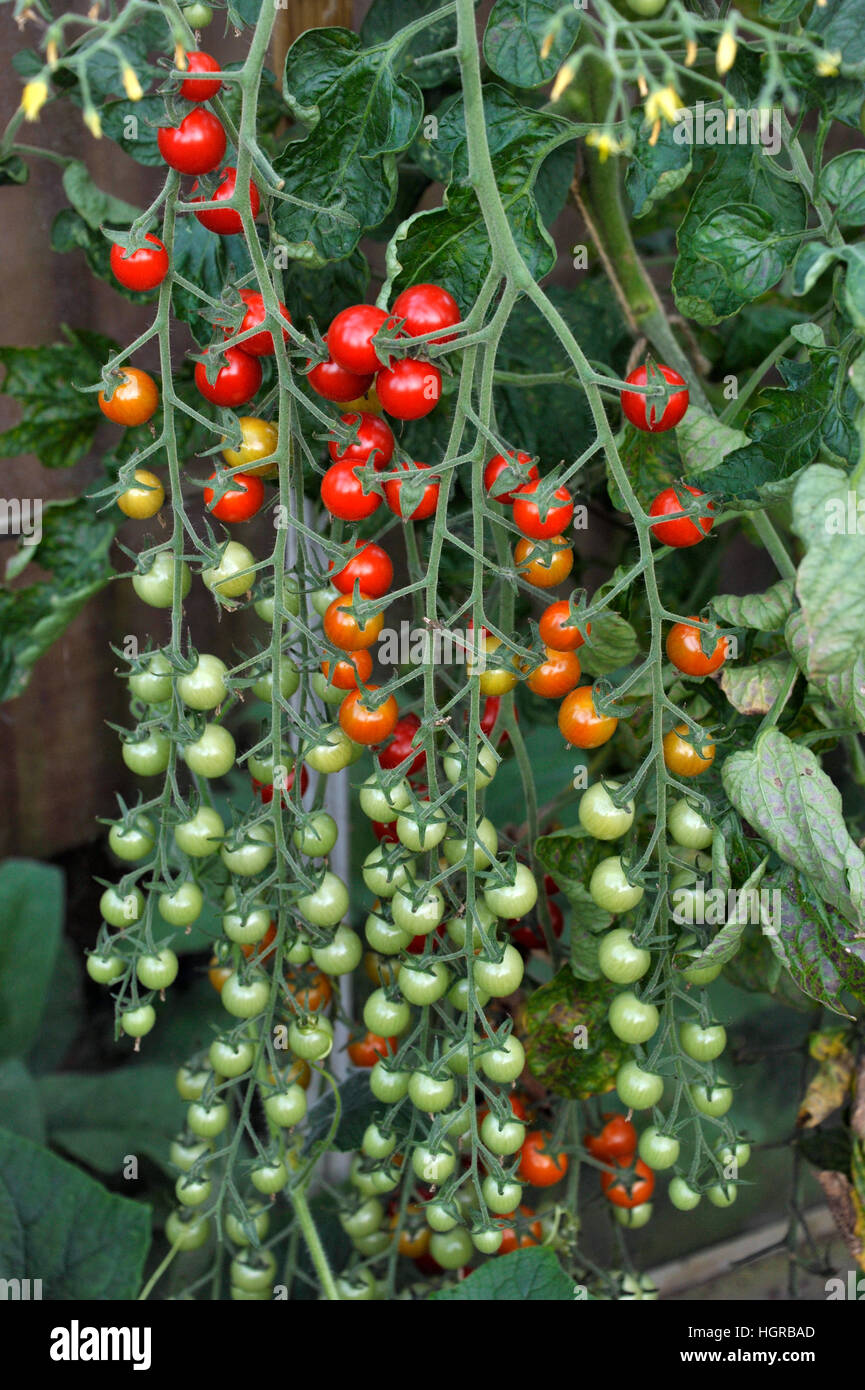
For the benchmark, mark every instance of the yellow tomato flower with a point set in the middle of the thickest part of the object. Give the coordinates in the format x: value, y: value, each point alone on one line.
x: 131, y: 84
x: 726, y: 54
x: 33, y: 98
x: 663, y: 104
x: 829, y: 64
x: 605, y: 143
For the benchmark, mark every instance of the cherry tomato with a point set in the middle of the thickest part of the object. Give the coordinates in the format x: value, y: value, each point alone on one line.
x: 344, y: 494
x: 527, y: 512
x: 515, y: 1239
x: 259, y: 440
x: 236, y: 382
x: 579, y: 722
x: 628, y: 1192
x: 373, y: 436
x: 198, y: 15
x: 634, y: 404
x: 557, y: 631
x: 426, y: 308
x: 365, y: 723
x: 537, y: 1167
x: 429, y: 498
x: 496, y: 466
x: 685, y: 650
x: 196, y: 146
x: 225, y: 221
x: 143, y: 499
x: 617, y: 1139
x: 369, y: 1049
x: 402, y: 746
x: 311, y: 989
x: 684, y: 531
x: 260, y: 344
x: 409, y: 389
x: 240, y: 503
x: 133, y: 400
x: 683, y: 758
x: 195, y: 88
x: 344, y: 631
x: 558, y: 674
x: 334, y: 383
x: 687, y: 827
x: 346, y: 674
x: 600, y: 815
x: 370, y: 568
x: 349, y: 338
x: 143, y: 269
x: 542, y: 572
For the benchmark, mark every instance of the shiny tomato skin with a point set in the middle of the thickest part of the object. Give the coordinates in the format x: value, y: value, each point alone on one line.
x: 683, y: 758
x: 579, y: 722
x: 194, y: 88
x: 332, y: 382
x: 346, y: 673
x: 350, y: 335
x: 241, y: 503
x: 429, y: 498
x: 538, y: 1168
x: 426, y: 308
x: 236, y: 382
x: 634, y: 405
x: 260, y: 344
x: 616, y: 1191
x: 365, y: 724
x: 409, y: 389
x: 343, y: 630
x: 686, y: 653
x: 684, y: 531
x: 374, y: 435
x: 196, y: 146
x: 496, y: 466
x: 366, y: 1051
x: 370, y: 567
x: 527, y: 513
x: 225, y: 221
x: 133, y: 401
x: 555, y: 630
x: 342, y: 492
x: 144, y: 269
x: 617, y: 1139
x: 558, y: 674
x: 541, y: 573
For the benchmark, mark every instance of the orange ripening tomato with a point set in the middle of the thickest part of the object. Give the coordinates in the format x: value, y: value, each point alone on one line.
x: 217, y: 973
x: 414, y: 1238
x: 344, y: 631
x: 685, y: 651
x: 541, y: 573
x: 346, y: 674
x: 133, y: 400
x: 537, y: 1167
x: 520, y: 1240
x: 579, y: 722
x: 312, y: 990
x: 366, y: 1051
x: 556, y: 631
x: 558, y: 674
x: 623, y: 1192
x: 365, y: 723
x: 261, y: 950
x: 617, y: 1139
x: 683, y: 758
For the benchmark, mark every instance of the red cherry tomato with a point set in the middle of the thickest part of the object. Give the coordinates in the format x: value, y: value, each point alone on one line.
x: 236, y: 382
x: 264, y: 790
x: 367, y: 723
x: 351, y: 669
x: 387, y: 831
x: 684, y: 531
x: 400, y: 747
x: 686, y: 652
x: 496, y: 466
x: 349, y: 338
x: 628, y: 1193
x: 409, y: 389
x: 241, y: 503
x: 429, y: 497
x: 373, y: 436
x: 195, y: 88
x: 366, y: 1051
x: 512, y: 1240
x: 555, y: 630
x: 426, y: 308
x: 634, y: 404
x: 225, y: 221
x: 342, y: 492
x: 557, y: 675
x: 537, y: 1167
x: 144, y: 269
x: 527, y: 514
x: 489, y: 716
x: 260, y: 344
x: 196, y: 146
x: 334, y: 383
x: 344, y: 631
x: 617, y: 1139
x: 370, y: 567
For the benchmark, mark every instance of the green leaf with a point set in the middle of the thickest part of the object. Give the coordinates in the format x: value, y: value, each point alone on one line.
x: 743, y: 242
x: 652, y: 462
x: 725, y: 943
x: 830, y: 581
x: 207, y: 261
x: 845, y: 689
x: 358, y: 1107
x: 752, y: 689
x: 133, y: 126
x: 764, y: 612
x: 842, y: 182
x: 13, y: 170
x: 569, y: 1044
x: 103, y: 1118
x: 31, y: 919
x: 611, y: 644
x: 840, y: 26
x: 704, y: 441
x: 61, y: 1227
x: 523, y: 1276
x: 19, y: 1103
x: 505, y: 798
x: 740, y: 175
x: 360, y: 113
x: 95, y: 206
x: 570, y: 856
x: 385, y: 18
x: 64, y: 1011
x: 780, y: 788
x: 515, y: 34
x: 655, y: 170
x: 58, y: 423
x: 821, y: 952
x: 583, y: 958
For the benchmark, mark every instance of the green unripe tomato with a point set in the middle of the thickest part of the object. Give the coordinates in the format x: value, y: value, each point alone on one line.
x: 501, y: 1198
x: 499, y: 978
x: 313, y: 1040
x: 610, y: 889
x: 488, y: 1241
x: 620, y: 959
x: 714, y: 1100
x: 738, y: 1155
x: 695, y: 975
x: 455, y: 848
x: 317, y: 836
x: 332, y: 753
x: 362, y: 1178
x: 134, y: 840
x: 330, y: 694
x: 233, y: 575
x: 104, y: 970
x: 245, y: 998
x: 431, y: 1093
x: 207, y: 1120
x: 423, y: 986
x: 455, y: 765
x: 646, y: 9
x: 682, y: 1195
x: 365, y: 1218
x: 702, y: 1044
x: 687, y: 897
x: 187, y: 1234
x: 327, y: 904
x: 205, y: 686
x: 383, y: 872
x: 722, y: 1194
x: 505, y: 1063
x: 601, y: 817
x: 438, y: 1217
x: 269, y: 1177
x: 457, y: 927
x: 321, y: 599
x: 181, y: 907
x: 502, y: 1137
x: 451, y: 1249
x: 385, y: 1179
x: 299, y: 953
x: 421, y: 832
x: 201, y: 835
x: 341, y: 955
x: 417, y: 920
x: 377, y: 1143
x: 212, y: 753
x: 374, y: 1244
x: 433, y: 1166
x: 147, y: 756
x: 634, y: 1217
x: 198, y: 16
x: 286, y: 1108
x: 152, y: 683
x: 185, y: 1155
x: 380, y: 805
x: 249, y: 928
x: 638, y: 1089
x: 388, y: 1084
x: 459, y: 996
x: 360, y: 1287
x: 191, y: 1082
x: 386, y: 1017
x: 122, y: 909
x: 514, y: 898
x: 158, y: 971
x: 383, y: 936
x: 458, y: 1060
x: 155, y: 585
x: 657, y: 1150
x: 192, y: 1191
x: 239, y: 1232
x: 138, y: 1022
x: 289, y: 680
x: 252, y: 854
x: 687, y: 827
x: 632, y: 1019
x: 230, y: 1058
x: 253, y: 1272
